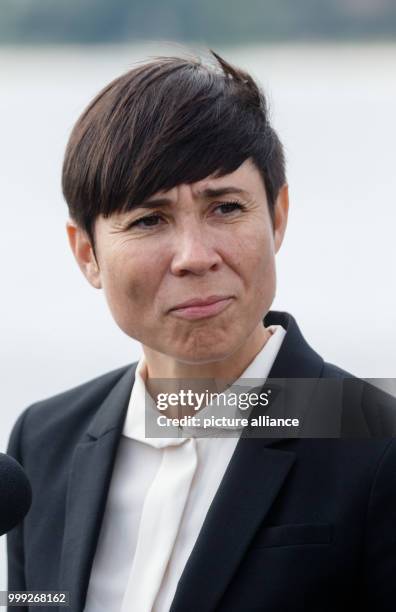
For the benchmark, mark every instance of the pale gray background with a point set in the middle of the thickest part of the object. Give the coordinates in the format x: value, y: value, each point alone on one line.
x: 334, y: 109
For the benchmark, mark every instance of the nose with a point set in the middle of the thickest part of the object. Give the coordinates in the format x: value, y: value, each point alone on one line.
x: 194, y: 252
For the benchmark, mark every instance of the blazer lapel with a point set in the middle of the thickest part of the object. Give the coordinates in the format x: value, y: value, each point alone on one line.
x: 252, y: 481
x: 89, y: 480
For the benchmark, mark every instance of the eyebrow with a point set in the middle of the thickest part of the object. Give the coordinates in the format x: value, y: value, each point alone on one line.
x: 207, y: 193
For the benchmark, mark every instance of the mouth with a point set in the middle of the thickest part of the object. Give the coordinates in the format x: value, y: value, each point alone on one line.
x: 199, y: 309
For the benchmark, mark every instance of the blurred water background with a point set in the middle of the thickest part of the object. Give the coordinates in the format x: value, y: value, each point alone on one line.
x: 333, y: 104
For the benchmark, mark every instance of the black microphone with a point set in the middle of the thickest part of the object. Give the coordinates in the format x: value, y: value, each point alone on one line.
x: 15, y: 493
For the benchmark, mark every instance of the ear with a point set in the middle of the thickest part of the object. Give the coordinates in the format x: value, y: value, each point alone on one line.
x: 281, y: 211
x: 82, y: 250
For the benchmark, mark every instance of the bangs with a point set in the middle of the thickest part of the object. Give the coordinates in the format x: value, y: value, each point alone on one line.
x: 168, y: 122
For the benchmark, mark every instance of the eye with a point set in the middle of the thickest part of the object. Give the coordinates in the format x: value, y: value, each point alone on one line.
x: 230, y: 207
x: 144, y: 222
x: 152, y: 221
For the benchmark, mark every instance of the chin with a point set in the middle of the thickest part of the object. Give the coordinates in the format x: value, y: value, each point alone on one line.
x: 203, y: 356
x: 205, y: 347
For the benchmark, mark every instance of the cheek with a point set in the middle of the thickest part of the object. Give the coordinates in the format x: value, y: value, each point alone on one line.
x: 254, y: 253
x: 258, y: 272
x: 129, y: 285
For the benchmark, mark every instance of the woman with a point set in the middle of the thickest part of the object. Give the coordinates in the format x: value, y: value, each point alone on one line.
x: 175, y: 184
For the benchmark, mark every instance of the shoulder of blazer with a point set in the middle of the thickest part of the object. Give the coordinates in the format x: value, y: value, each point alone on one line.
x: 66, y: 414
x: 362, y: 398
x: 333, y: 371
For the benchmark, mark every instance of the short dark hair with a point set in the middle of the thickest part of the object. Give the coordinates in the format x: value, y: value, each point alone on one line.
x: 169, y: 121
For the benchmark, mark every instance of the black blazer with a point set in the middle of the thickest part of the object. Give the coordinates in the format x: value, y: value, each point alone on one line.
x: 296, y: 524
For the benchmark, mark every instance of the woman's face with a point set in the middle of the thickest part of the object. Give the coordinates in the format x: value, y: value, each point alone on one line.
x: 192, y: 247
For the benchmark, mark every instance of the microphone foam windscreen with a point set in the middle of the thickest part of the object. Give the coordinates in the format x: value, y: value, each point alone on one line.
x: 15, y: 493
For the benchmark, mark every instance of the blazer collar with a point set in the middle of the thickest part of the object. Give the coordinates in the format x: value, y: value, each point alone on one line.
x: 295, y: 359
x: 238, y: 498
x: 112, y: 412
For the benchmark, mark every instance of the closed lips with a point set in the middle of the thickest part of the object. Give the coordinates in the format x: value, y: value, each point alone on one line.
x: 201, y: 302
